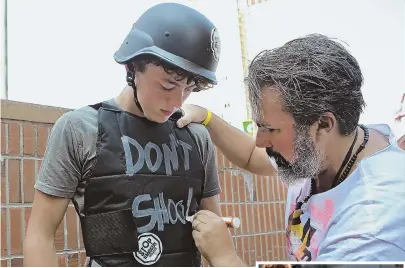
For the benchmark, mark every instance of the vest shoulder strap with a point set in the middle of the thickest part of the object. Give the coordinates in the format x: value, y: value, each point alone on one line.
x: 105, y: 105
x: 177, y: 115
x: 96, y: 106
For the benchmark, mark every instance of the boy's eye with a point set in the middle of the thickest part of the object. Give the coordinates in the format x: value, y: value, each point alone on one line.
x: 167, y: 89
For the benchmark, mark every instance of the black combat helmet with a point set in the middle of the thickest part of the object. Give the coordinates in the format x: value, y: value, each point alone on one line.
x: 176, y: 34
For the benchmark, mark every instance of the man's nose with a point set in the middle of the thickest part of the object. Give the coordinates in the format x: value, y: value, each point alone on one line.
x: 263, y: 140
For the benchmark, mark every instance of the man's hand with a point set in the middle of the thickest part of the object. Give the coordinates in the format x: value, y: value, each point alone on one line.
x: 213, y: 240
x: 192, y: 113
x: 401, y: 142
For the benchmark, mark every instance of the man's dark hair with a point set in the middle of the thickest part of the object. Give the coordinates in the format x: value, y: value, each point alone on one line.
x: 314, y: 75
x: 140, y: 63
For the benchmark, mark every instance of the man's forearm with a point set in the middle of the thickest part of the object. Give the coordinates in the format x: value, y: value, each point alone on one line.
x: 239, y: 147
x: 39, y: 252
x: 236, y: 145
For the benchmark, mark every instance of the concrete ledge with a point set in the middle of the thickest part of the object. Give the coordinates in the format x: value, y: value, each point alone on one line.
x: 22, y: 111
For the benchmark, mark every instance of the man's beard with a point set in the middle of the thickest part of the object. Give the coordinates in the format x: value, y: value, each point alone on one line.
x: 307, y: 161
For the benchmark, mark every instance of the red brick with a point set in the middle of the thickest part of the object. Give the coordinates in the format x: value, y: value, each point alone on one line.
x: 16, y: 231
x: 27, y: 214
x: 280, y: 217
x: 29, y: 179
x: 273, y: 243
x: 277, y: 189
x: 3, y: 139
x: 3, y: 181
x: 253, y: 189
x: 3, y: 263
x: 4, y: 233
x: 220, y: 159
x: 246, y: 251
x: 259, y: 250
x: 241, y: 187
x: 284, y: 192
x: 243, y: 219
x: 73, y: 260
x: 273, y: 216
x: 82, y: 258
x: 259, y: 188
x: 284, y: 246
x: 14, y: 180
x: 283, y: 212
x: 247, y: 191
x: 62, y: 260
x: 267, y: 220
x: 265, y: 247
x: 272, y: 190
x: 264, y: 223
x: 71, y: 220
x: 252, y: 251
x: 266, y: 189
x: 224, y: 212
x: 29, y: 139
x: 269, y: 252
x: 256, y: 217
x: 14, y: 138
x: 17, y: 262
x: 278, y: 249
x: 221, y: 178
x: 39, y: 164
x: 42, y: 140
x: 234, y: 187
x: 228, y: 188
x: 251, y: 219
x: 280, y: 190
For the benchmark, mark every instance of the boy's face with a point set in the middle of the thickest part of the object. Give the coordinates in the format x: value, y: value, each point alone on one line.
x: 159, y: 93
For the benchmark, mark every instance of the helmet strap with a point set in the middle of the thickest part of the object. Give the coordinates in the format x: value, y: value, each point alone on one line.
x: 131, y: 83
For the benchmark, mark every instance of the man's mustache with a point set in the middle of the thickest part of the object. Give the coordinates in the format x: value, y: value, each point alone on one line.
x: 280, y: 160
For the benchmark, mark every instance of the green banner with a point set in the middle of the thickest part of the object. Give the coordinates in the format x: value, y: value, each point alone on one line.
x: 248, y: 127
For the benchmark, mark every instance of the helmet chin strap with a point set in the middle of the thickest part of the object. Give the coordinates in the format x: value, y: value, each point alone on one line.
x: 131, y: 82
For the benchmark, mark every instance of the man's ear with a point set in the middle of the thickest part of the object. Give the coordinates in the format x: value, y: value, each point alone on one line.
x: 327, y: 122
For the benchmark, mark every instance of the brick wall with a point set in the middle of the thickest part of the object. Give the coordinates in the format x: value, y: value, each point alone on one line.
x: 258, y: 201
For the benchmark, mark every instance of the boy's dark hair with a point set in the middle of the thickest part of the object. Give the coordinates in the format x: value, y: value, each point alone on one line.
x: 140, y: 63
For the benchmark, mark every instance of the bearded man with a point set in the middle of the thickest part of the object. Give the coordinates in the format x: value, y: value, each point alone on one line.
x: 346, y: 180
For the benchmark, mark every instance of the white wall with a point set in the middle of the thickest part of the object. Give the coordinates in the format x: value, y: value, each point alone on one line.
x: 373, y: 29
x: 61, y: 52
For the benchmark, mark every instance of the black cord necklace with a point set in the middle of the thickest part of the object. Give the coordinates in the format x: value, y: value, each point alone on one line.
x: 339, y: 178
x: 347, y: 160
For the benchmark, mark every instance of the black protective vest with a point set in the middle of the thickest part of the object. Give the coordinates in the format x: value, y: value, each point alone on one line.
x: 147, y: 178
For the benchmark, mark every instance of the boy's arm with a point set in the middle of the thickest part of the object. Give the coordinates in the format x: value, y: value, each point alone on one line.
x: 57, y: 182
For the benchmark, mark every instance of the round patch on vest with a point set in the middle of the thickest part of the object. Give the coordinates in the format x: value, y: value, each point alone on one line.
x: 215, y: 44
x: 150, y: 249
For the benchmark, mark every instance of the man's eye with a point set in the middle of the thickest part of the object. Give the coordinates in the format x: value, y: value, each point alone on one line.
x: 272, y: 130
x: 266, y: 129
x: 167, y: 89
